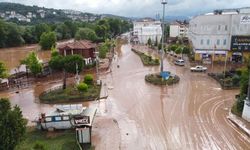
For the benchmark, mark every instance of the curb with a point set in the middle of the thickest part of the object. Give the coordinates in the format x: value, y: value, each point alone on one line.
x: 238, y: 124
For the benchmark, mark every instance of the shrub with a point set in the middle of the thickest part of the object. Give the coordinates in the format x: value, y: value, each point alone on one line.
x: 236, y: 80
x: 82, y: 87
x: 39, y: 146
x: 88, y: 79
x: 157, y: 61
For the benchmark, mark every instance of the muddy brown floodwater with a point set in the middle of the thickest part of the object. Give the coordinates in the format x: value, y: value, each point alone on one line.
x: 189, y: 115
x: 137, y: 115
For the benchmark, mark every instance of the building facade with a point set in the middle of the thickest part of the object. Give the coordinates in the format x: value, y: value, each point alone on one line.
x: 221, y: 35
x: 178, y: 29
x: 146, y: 29
x: 84, y: 48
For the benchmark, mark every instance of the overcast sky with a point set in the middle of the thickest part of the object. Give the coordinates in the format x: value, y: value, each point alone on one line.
x: 138, y: 8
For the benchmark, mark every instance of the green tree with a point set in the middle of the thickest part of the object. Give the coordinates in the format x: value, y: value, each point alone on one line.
x: 72, y: 27
x: 3, y: 71
x: 56, y: 62
x: 103, y: 49
x: 28, y: 35
x: 186, y: 50
x: 86, y: 34
x: 33, y: 63
x: 62, y: 31
x: 70, y: 62
x: 156, y: 42
x: 48, y: 40
x: 14, y: 37
x: 2, y: 34
x: 101, y: 31
x: 178, y: 50
x: 115, y: 26
x: 149, y: 42
x: 167, y: 30
x: 173, y: 47
x: 40, y: 29
x: 12, y: 125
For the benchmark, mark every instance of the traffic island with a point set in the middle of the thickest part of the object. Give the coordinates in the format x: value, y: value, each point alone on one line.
x: 146, y: 59
x: 157, y: 79
x: 70, y: 94
x: 228, y: 81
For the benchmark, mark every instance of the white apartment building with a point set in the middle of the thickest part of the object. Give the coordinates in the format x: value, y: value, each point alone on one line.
x: 147, y: 29
x: 221, y: 33
x: 178, y: 29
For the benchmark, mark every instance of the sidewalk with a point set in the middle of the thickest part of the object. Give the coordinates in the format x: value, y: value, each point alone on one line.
x: 240, y: 123
x: 104, y: 91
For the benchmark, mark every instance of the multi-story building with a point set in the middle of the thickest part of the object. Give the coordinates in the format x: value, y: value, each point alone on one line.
x: 178, y: 29
x: 223, y: 34
x: 147, y: 29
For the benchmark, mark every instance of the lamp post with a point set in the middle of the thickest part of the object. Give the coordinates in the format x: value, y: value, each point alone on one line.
x: 97, y: 62
x: 163, y: 2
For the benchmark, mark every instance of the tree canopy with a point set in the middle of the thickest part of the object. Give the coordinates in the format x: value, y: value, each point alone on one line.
x: 12, y: 125
x: 12, y: 34
x: 3, y: 71
x: 86, y: 34
x: 33, y: 63
x: 48, y: 40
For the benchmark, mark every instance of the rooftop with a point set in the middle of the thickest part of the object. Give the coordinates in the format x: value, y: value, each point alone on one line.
x: 82, y: 44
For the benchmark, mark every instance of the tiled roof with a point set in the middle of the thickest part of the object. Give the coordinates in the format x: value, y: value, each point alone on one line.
x: 82, y: 44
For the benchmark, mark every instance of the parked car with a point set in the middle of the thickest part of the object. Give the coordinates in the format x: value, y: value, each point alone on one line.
x: 179, y: 62
x: 198, y: 69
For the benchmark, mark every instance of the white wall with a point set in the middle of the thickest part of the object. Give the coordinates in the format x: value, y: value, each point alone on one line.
x: 246, y: 112
x: 146, y: 30
x: 216, y: 27
x: 174, y: 30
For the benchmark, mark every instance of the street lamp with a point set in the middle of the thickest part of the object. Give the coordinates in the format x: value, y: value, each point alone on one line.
x: 97, y: 62
x: 163, y: 2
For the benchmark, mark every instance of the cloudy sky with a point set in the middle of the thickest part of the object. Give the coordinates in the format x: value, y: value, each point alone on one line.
x: 138, y: 8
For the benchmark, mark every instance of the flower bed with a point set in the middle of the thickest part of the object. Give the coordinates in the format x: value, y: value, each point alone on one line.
x: 156, y: 79
x: 231, y: 80
x: 70, y: 94
x: 147, y: 60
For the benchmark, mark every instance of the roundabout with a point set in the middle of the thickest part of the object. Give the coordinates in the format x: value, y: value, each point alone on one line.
x: 160, y: 79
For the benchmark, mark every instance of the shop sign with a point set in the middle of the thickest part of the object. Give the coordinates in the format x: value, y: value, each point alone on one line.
x: 245, y: 19
x: 240, y: 43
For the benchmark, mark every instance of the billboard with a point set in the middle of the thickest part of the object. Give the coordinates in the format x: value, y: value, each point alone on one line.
x: 240, y: 43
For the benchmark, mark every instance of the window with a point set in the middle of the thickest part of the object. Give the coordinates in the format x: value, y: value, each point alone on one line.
x: 218, y: 42
x: 58, y: 118
x: 225, y: 27
x: 224, y: 42
x: 208, y: 41
x: 65, y: 117
x: 47, y: 119
x: 201, y: 41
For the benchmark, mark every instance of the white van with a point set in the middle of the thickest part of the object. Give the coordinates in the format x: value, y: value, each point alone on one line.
x: 179, y: 62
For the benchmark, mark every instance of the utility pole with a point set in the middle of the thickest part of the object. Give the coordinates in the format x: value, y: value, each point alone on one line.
x: 97, y: 62
x: 225, y: 66
x: 213, y: 59
x: 163, y: 2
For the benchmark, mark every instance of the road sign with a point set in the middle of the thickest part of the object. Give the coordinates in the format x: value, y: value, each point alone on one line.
x: 165, y: 74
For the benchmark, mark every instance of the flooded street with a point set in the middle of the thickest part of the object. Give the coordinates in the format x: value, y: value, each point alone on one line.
x: 137, y: 115
x: 189, y: 115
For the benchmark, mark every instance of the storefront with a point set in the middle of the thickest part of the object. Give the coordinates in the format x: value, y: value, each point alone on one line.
x: 209, y: 55
x: 240, y: 48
